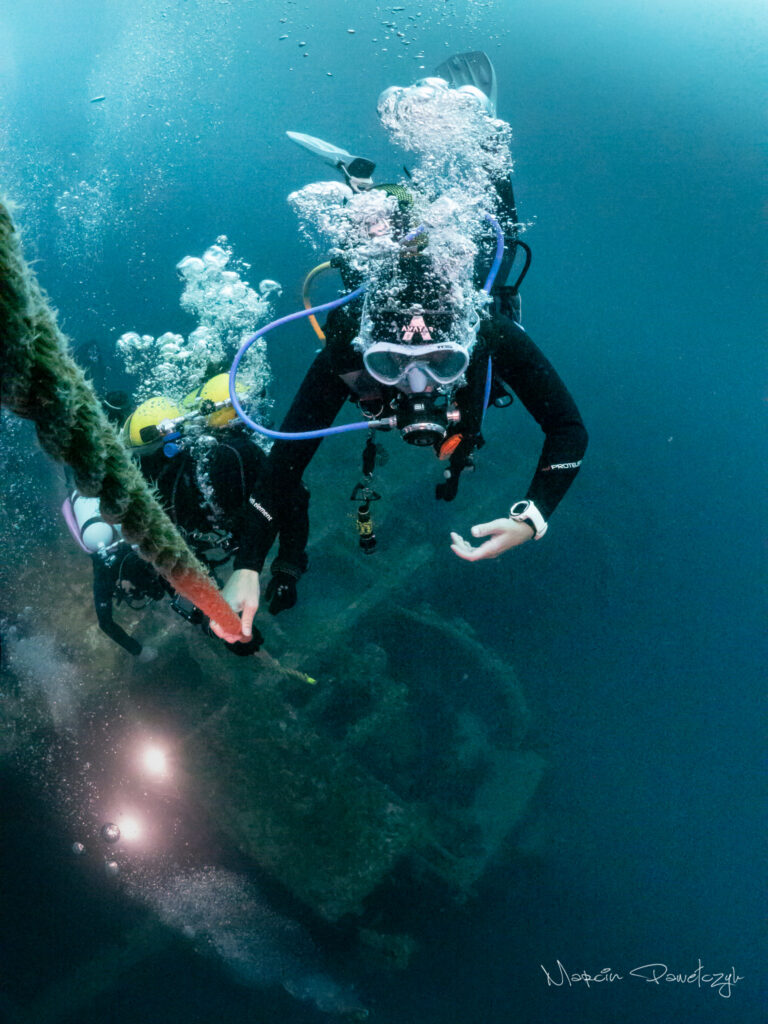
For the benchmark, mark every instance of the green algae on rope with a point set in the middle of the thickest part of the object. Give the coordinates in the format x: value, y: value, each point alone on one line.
x: 40, y: 381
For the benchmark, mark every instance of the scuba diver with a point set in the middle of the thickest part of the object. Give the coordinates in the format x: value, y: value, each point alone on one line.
x: 120, y: 575
x: 205, y: 467
x: 413, y: 362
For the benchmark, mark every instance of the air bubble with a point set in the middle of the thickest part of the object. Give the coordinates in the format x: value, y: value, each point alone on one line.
x: 110, y: 832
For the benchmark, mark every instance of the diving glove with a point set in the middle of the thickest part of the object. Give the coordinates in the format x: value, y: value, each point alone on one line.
x: 281, y: 592
x: 242, y: 648
x: 449, y: 488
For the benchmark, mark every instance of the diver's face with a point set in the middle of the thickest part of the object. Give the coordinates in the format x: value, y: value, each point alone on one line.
x: 380, y: 228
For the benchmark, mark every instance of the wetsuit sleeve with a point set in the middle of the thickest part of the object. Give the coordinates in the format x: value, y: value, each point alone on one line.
x: 316, y: 405
x: 279, y: 502
x: 294, y: 533
x: 103, y: 588
x: 536, y: 383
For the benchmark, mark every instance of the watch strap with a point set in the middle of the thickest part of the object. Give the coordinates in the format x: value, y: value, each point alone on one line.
x: 526, y: 512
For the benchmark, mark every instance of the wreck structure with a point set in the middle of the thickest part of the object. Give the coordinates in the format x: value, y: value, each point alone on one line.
x: 371, y: 739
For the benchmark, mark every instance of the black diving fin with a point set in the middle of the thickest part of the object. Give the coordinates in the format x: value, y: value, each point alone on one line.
x: 471, y: 69
x: 476, y: 69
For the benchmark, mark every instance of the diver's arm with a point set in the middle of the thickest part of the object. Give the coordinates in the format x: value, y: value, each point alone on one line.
x: 290, y: 517
x: 532, y: 377
x: 534, y: 380
x: 275, y: 502
x: 103, y: 588
x: 316, y: 405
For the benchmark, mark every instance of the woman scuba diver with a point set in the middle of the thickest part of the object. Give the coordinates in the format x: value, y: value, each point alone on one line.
x: 416, y: 359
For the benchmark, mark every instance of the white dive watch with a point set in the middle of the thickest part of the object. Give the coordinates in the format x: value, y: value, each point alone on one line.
x: 526, y: 512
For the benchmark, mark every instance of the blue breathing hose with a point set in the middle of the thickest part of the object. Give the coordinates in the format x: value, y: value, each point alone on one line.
x: 487, y: 289
x: 303, y: 435
x: 306, y: 435
x: 499, y: 253
x: 487, y: 395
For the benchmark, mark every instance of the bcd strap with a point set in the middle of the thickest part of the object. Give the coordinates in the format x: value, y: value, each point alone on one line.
x: 507, y: 301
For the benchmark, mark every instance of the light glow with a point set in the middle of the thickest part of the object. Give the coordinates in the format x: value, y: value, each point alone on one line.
x: 155, y: 761
x: 130, y: 828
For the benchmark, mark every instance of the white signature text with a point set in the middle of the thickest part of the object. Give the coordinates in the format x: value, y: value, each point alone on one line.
x: 656, y: 974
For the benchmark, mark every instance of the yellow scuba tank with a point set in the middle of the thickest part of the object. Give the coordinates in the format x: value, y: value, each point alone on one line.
x: 140, y: 432
x: 214, y: 391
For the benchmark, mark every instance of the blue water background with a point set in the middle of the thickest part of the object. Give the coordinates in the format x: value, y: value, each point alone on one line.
x: 634, y: 625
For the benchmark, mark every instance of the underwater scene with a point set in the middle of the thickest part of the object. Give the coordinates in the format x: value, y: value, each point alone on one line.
x: 311, y: 316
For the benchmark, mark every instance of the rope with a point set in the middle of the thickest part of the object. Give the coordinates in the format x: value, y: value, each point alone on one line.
x: 41, y: 382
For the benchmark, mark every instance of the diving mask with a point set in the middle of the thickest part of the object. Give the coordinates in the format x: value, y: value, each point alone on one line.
x: 391, y: 363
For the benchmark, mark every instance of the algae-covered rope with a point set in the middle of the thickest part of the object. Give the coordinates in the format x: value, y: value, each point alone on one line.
x: 40, y: 381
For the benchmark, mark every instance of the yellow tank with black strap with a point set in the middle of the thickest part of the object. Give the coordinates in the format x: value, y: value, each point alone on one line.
x: 212, y: 400
x: 40, y: 381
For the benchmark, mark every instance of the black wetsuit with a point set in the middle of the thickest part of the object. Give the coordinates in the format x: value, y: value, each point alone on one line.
x: 337, y: 374
x: 220, y: 490
x: 110, y: 571
x: 204, y: 492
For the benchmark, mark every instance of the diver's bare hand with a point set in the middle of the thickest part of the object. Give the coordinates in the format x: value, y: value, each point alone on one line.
x: 503, y: 534
x: 241, y: 592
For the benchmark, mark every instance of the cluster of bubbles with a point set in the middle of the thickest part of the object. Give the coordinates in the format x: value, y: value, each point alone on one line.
x: 82, y: 210
x: 224, y: 914
x: 45, y: 677
x: 409, y: 26
x: 399, y: 27
x: 228, y: 310
x: 462, y: 151
x: 460, y: 146
x: 153, y: 71
x: 356, y: 228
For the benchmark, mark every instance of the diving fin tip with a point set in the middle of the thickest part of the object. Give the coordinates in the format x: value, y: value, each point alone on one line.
x: 473, y: 68
x: 327, y: 152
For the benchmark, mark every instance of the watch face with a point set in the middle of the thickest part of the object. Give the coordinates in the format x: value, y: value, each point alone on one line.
x: 520, y: 508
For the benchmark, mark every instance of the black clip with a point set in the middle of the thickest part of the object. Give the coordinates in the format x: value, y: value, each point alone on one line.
x: 364, y: 493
